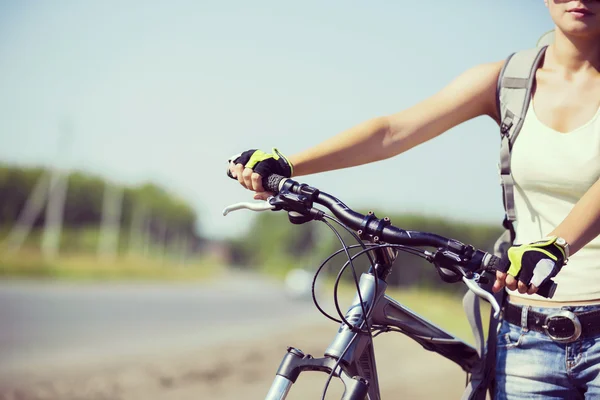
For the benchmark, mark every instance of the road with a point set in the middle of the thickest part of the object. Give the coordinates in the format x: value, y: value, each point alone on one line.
x: 224, y: 340
x: 48, y: 325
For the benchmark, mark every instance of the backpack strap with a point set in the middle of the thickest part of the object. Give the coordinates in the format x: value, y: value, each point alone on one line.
x: 515, y: 84
x: 546, y: 39
x: 478, y: 382
x: 482, y: 376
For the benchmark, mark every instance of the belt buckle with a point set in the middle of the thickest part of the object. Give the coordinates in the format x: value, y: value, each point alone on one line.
x: 571, y: 317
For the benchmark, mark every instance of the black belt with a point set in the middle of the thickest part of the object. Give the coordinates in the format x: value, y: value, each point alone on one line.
x: 561, y: 325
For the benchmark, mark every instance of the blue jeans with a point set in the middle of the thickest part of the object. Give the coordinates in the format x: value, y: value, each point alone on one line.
x: 530, y: 365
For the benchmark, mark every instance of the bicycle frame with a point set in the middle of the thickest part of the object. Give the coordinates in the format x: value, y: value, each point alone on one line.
x: 351, y: 354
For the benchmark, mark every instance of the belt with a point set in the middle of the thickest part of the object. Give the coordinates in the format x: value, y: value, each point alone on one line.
x: 562, y: 326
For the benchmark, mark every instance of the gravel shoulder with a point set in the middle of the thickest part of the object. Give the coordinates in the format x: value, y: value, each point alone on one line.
x: 242, y: 369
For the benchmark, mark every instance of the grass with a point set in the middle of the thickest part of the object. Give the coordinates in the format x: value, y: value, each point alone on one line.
x: 78, y: 260
x: 28, y: 263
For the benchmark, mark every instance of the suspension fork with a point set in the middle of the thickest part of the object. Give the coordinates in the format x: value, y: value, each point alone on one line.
x: 295, y: 362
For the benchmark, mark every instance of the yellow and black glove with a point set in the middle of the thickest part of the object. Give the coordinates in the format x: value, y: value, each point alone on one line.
x: 536, y: 263
x: 264, y: 164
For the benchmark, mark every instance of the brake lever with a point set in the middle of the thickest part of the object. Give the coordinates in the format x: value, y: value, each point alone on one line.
x: 475, y: 288
x: 253, y: 206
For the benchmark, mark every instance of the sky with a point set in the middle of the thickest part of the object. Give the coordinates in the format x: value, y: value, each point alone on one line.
x: 166, y: 91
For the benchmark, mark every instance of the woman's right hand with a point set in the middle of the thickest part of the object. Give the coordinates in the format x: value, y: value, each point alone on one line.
x: 250, y: 167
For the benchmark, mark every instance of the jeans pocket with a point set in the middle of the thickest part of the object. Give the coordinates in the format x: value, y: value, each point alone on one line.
x: 509, y: 336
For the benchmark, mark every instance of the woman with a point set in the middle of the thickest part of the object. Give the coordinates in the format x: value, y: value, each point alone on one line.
x: 556, y: 167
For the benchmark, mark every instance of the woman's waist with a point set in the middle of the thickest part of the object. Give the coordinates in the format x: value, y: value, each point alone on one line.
x: 538, y: 302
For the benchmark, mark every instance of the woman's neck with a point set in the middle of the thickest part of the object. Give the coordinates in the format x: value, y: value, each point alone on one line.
x: 575, y: 54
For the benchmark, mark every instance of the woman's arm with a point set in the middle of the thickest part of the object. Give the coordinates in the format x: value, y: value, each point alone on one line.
x: 578, y: 228
x: 470, y: 95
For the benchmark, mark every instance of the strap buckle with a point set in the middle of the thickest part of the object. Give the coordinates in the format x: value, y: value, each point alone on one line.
x: 505, y: 128
x: 506, y: 124
x: 506, y: 178
x: 565, y: 314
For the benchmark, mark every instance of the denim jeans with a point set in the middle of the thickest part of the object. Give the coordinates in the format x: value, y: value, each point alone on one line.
x: 530, y: 365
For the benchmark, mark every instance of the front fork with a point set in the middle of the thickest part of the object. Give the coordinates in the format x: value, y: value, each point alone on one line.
x: 295, y: 362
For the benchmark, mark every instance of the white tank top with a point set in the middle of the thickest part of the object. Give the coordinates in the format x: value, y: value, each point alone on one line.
x: 552, y: 171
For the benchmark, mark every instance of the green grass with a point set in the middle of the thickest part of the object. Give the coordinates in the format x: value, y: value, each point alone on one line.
x: 29, y: 263
x: 78, y: 261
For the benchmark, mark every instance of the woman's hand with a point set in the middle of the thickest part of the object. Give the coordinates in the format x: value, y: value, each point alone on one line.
x: 532, y: 265
x: 251, y: 166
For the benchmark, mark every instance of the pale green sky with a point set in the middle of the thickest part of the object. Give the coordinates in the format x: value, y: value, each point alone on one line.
x: 166, y: 91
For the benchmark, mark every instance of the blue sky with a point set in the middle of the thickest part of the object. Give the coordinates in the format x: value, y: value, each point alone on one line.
x: 166, y: 91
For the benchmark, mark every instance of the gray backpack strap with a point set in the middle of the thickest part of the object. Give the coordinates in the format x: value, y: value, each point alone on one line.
x: 477, y: 385
x: 514, y: 94
x: 546, y: 39
x: 482, y: 377
x: 515, y: 84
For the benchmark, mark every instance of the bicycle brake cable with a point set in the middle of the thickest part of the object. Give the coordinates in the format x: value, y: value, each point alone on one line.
x: 345, y: 248
x: 379, y: 246
x: 317, y: 275
x: 360, y: 243
x: 365, y: 313
x: 336, y: 365
x: 350, y: 260
x: 350, y: 231
x: 365, y: 321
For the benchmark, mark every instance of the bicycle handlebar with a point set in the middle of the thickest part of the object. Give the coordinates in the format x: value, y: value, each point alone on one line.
x: 381, y: 230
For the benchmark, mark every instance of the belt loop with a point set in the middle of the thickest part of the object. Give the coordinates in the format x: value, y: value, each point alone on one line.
x: 524, y: 314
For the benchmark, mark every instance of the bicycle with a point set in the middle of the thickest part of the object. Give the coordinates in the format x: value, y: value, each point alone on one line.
x: 350, y: 356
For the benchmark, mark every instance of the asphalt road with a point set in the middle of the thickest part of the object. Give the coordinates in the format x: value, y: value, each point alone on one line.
x: 47, y: 324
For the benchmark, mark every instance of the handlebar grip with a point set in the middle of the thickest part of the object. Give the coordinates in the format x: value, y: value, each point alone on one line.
x: 546, y: 290
x: 497, y: 264
x: 271, y: 183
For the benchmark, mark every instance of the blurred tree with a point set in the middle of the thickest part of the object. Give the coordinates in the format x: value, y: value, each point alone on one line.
x: 158, y: 211
x: 273, y: 243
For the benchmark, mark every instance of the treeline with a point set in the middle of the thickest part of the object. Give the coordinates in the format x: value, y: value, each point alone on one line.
x: 151, y: 207
x: 276, y: 245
